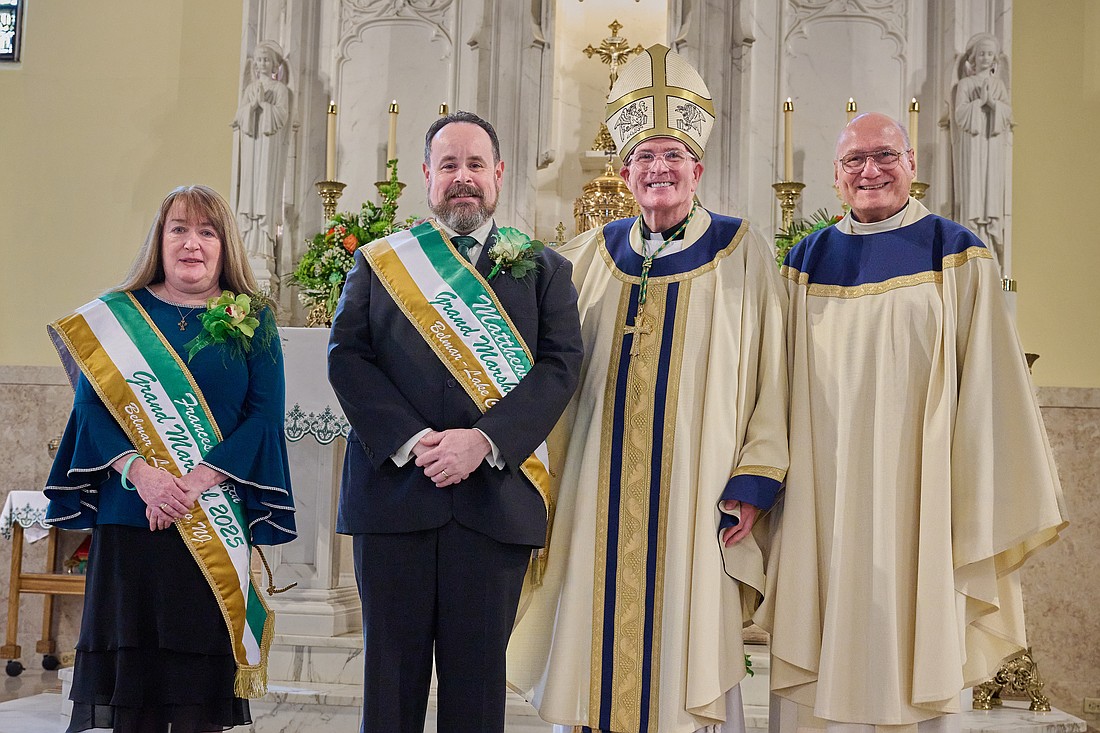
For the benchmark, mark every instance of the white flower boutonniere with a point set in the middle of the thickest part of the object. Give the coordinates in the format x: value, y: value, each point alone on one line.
x: 515, y: 252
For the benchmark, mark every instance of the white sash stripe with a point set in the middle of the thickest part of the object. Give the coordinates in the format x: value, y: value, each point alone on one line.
x: 432, y: 285
x: 129, y: 360
x: 215, y: 504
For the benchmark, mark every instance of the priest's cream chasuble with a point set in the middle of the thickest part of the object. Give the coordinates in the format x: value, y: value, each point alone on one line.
x: 637, y: 625
x: 920, y: 480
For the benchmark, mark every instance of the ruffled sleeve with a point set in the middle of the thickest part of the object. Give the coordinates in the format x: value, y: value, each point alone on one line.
x: 254, y: 454
x: 92, y: 441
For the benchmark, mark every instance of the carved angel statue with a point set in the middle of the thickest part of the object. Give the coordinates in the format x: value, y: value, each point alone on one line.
x: 260, y: 148
x: 981, y: 121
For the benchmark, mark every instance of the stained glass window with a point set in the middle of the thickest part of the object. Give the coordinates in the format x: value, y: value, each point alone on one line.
x: 11, y: 16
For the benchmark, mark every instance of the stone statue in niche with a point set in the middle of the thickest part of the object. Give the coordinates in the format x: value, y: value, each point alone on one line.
x: 260, y: 150
x: 981, y: 123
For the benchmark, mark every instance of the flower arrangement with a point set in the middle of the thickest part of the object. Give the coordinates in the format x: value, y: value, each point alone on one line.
x: 323, y: 268
x: 515, y: 252
x: 785, y: 239
x: 228, y: 319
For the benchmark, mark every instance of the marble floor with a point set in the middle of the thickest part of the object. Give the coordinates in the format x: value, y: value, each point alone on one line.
x: 32, y: 703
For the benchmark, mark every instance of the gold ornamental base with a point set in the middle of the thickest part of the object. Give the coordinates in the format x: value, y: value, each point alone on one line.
x: 1018, y: 677
x: 329, y: 191
x: 605, y: 199
x: 917, y: 189
x: 318, y: 317
x: 788, y: 193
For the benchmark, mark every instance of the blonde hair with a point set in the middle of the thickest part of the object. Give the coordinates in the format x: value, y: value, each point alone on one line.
x: 203, y: 203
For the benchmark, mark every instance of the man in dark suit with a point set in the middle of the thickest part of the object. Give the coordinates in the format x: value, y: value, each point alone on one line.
x: 444, y: 518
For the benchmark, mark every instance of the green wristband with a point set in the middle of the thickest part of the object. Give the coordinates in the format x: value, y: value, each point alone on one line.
x: 126, y: 470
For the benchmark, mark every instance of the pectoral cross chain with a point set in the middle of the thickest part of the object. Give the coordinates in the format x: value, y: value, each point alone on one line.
x: 641, y: 327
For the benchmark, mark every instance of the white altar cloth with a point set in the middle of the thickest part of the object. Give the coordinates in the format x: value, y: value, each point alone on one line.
x: 28, y: 508
x: 311, y: 406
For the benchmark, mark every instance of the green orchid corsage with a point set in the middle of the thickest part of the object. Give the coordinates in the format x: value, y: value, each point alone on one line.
x: 228, y: 320
x: 515, y: 252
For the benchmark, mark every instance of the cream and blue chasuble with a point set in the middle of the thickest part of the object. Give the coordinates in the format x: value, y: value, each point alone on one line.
x: 637, y: 626
x: 920, y: 477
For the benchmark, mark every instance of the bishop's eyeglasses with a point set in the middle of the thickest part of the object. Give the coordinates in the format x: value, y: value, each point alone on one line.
x: 884, y: 160
x: 672, y: 158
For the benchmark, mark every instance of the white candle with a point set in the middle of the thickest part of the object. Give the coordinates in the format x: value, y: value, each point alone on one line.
x: 914, y: 109
x: 788, y: 141
x: 391, y: 145
x: 330, y: 144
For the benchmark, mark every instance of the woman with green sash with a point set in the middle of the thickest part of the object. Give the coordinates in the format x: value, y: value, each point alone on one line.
x: 174, y: 457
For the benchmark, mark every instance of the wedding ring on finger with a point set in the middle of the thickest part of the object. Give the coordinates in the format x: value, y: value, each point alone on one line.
x: 445, y: 474
x: 162, y: 506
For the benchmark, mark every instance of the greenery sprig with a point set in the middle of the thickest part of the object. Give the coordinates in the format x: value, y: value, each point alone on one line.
x: 323, y: 268
x: 785, y: 239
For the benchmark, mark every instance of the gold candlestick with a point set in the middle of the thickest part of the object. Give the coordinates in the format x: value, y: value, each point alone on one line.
x: 329, y: 191
x: 400, y: 186
x: 917, y: 189
x: 788, y: 193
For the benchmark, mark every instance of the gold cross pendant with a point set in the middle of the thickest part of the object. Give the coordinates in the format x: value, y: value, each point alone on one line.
x: 182, y: 324
x: 641, y: 327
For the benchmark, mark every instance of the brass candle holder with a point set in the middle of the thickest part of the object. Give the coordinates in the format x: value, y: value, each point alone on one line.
x: 917, y: 189
x: 329, y: 191
x: 400, y: 186
x: 788, y: 193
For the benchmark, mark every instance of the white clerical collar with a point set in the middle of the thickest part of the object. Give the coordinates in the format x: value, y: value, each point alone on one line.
x: 912, y: 212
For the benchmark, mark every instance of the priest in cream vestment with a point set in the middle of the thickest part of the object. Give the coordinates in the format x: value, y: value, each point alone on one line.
x: 921, y: 477
x: 674, y: 442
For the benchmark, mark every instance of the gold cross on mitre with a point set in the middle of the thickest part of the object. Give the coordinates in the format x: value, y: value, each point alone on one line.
x: 642, y: 327
x: 613, y: 51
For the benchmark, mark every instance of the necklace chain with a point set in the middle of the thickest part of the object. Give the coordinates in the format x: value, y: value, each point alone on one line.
x: 183, y: 317
x: 647, y: 261
x: 182, y: 322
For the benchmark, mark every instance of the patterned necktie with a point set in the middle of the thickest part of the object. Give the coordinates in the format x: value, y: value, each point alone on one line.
x: 464, y: 244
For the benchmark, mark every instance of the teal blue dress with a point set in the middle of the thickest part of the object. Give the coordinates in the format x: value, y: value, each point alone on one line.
x: 153, y: 648
x: 247, y: 397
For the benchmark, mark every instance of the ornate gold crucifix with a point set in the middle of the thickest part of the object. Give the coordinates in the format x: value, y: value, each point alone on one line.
x: 642, y: 327
x: 613, y: 51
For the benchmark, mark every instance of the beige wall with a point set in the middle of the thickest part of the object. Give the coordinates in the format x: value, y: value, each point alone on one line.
x: 114, y: 104
x: 1056, y: 187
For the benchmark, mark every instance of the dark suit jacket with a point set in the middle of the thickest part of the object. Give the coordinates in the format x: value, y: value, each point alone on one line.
x: 392, y: 385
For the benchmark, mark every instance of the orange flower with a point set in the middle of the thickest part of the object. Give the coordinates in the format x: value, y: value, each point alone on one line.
x: 351, y: 243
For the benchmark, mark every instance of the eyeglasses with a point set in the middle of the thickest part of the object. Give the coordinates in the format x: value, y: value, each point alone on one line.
x: 884, y: 160
x: 672, y: 158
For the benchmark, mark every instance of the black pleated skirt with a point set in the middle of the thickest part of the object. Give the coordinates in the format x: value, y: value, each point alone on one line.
x: 154, y: 649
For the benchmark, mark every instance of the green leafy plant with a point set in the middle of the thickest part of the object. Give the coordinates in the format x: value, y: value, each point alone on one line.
x: 323, y: 268
x: 785, y: 239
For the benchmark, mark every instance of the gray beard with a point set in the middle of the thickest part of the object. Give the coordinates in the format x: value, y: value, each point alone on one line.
x: 463, y: 219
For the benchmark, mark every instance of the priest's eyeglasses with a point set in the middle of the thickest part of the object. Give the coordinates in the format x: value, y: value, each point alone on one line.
x: 884, y: 160
x: 672, y: 158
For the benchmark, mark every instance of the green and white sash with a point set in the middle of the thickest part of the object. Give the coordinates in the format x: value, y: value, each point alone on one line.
x: 459, y: 316
x: 149, y: 391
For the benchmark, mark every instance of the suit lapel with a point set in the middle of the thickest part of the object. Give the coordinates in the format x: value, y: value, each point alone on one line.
x: 484, y: 263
